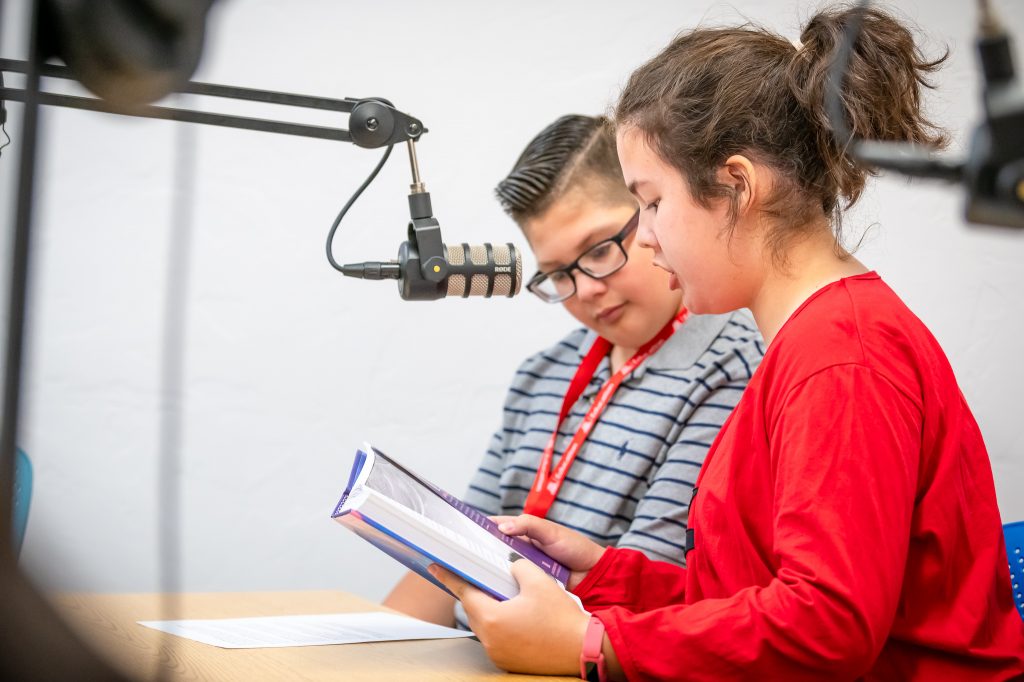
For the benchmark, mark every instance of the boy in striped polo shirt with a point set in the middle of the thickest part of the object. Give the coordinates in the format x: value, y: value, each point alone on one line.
x: 670, y: 379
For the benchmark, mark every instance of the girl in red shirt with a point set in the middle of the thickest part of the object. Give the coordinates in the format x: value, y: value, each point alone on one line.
x: 844, y: 525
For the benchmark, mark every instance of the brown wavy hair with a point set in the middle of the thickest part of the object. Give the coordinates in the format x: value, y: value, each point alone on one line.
x: 716, y: 92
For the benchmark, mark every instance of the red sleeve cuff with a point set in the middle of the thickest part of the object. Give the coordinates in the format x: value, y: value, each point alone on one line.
x: 611, y: 618
x: 594, y: 575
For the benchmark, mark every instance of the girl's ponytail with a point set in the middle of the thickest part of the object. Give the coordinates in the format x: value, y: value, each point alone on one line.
x: 881, y: 91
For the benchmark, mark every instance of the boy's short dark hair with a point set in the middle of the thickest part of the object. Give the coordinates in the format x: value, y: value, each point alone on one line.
x: 573, y: 151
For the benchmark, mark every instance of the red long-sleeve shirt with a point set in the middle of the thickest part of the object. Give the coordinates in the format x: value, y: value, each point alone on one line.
x: 845, y: 523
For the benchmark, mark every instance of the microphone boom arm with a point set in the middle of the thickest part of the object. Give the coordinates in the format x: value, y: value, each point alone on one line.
x: 373, y: 122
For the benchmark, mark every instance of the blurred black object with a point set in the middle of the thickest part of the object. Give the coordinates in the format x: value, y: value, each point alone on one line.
x: 128, y: 52
x: 993, y: 172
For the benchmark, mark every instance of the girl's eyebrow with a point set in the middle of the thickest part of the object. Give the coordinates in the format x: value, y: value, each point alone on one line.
x: 632, y: 187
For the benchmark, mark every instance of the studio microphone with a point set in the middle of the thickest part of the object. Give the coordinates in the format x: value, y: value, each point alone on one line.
x: 427, y: 269
x: 481, y: 270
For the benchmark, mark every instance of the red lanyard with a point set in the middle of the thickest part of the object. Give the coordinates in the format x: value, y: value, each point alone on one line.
x: 547, y: 483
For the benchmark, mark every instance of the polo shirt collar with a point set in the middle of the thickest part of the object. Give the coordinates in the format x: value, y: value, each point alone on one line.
x: 681, y: 350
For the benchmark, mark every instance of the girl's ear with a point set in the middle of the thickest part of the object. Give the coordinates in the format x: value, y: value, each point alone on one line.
x: 739, y: 173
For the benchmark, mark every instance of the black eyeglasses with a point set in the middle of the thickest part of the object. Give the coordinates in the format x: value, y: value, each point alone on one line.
x: 599, y: 261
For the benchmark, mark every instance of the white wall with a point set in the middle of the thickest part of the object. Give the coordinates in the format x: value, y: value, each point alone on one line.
x: 289, y: 365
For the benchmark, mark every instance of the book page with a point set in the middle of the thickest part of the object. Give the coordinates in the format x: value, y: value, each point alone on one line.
x: 393, y: 482
x: 494, y: 553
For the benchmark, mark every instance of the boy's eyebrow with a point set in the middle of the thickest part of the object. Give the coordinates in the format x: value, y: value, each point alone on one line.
x: 581, y: 246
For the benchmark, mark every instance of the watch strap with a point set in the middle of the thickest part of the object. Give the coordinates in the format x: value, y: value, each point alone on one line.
x: 592, y: 667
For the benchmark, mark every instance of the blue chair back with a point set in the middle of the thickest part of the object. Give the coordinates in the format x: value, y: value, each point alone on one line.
x: 1014, y: 534
x: 22, y: 497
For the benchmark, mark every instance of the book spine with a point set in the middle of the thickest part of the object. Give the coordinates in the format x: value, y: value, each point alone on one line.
x: 518, y: 545
x: 357, y: 467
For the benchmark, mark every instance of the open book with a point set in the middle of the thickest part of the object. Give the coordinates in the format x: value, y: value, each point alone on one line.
x: 419, y: 524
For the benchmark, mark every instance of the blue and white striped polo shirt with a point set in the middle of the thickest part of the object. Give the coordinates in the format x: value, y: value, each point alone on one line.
x: 630, y: 485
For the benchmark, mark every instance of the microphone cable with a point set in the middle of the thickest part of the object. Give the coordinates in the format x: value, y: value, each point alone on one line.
x: 348, y: 205
x: 3, y: 108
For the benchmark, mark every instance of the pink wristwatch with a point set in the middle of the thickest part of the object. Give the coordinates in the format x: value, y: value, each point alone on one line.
x: 591, y: 659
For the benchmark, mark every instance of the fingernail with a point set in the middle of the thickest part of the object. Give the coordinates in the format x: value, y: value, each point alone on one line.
x: 505, y: 527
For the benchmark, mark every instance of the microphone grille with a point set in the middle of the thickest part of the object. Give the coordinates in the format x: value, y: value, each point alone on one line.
x: 478, y: 285
x: 502, y: 254
x: 484, y: 270
x: 456, y: 284
x: 507, y: 285
x: 502, y: 285
x: 478, y: 254
x: 456, y: 256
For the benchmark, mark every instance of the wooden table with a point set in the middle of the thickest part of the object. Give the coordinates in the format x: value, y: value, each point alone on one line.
x: 108, y: 623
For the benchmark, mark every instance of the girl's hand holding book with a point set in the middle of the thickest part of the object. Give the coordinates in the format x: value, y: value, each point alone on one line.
x: 539, y: 631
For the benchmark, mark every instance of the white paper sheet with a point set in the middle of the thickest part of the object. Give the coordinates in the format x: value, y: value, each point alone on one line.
x: 314, y: 630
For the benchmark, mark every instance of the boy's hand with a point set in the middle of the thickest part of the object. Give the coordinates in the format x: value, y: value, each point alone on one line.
x: 567, y: 547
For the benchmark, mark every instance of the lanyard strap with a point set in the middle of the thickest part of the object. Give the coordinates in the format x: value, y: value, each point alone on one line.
x: 548, y: 482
